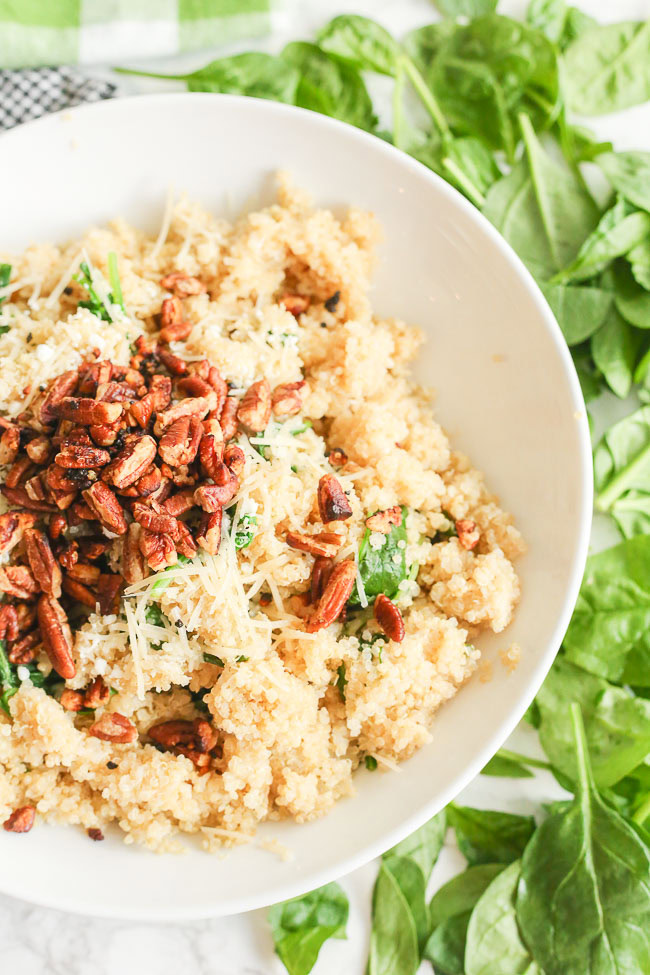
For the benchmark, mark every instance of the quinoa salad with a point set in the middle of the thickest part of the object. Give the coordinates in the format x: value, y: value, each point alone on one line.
x: 239, y: 557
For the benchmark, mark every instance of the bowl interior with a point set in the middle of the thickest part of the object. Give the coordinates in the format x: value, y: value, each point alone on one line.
x: 507, y: 395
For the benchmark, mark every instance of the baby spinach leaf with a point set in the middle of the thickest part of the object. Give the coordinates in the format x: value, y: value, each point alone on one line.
x: 494, y: 944
x: 512, y: 765
x: 470, y: 166
x: 583, y: 900
x: 615, y: 348
x: 609, y: 633
x: 329, y: 85
x: 608, y: 68
x: 410, y: 880
x: 632, y: 301
x: 445, y: 948
x: 617, y: 724
x: 362, y: 42
x: 576, y: 24
x: 618, y: 231
x: 591, y: 380
x: 580, y: 309
x: 465, y: 8
x: 487, y: 836
x: 548, y: 16
x: 629, y: 174
x: 393, y: 937
x: 461, y: 893
x: 252, y: 73
x: 622, y: 463
x: 639, y: 258
x: 424, y: 845
x: 382, y: 569
x: 301, y: 926
x: 8, y: 678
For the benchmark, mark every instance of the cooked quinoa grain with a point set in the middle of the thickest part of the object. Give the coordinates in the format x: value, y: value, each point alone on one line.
x: 226, y: 489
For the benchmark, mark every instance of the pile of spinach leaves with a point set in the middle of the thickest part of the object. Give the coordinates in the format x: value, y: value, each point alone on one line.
x: 488, y: 103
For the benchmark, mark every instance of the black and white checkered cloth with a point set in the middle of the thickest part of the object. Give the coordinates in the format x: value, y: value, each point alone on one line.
x: 28, y: 94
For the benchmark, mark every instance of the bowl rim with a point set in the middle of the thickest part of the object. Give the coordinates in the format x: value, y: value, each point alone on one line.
x: 340, y: 868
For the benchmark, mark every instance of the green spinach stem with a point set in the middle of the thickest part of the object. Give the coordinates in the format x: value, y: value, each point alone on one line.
x: 426, y: 96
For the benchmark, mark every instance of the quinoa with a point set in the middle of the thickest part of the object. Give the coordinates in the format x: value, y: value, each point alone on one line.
x: 296, y: 712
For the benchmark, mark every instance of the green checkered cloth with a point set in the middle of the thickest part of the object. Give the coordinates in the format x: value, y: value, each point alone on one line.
x: 52, y: 32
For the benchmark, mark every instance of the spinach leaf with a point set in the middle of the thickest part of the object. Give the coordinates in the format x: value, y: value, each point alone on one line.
x: 577, y: 24
x: 361, y: 42
x: 465, y: 8
x: 445, y: 948
x: 494, y: 944
x: 609, y: 633
x: 409, y: 878
x: 639, y: 258
x: 548, y: 16
x: 629, y: 174
x: 618, y: 231
x: 615, y: 348
x: 383, y: 569
x: 329, y: 85
x: 622, y: 471
x: 393, y: 937
x: 608, y: 68
x: 245, y: 531
x: 487, y: 836
x: 632, y: 301
x: 591, y: 380
x: 507, y: 764
x: 470, y: 166
x: 583, y: 900
x: 5, y: 277
x: 424, y: 845
x: 252, y: 73
x: 580, y: 310
x: 8, y: 678
x: 301, y: 926
x: 617, y: 723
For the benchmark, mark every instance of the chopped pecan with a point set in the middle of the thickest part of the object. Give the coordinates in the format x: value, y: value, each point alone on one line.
x: 184, y: 542
x: 80, y: 593
x: 18, y: 581
x: 287, y: 398
x: 228, y: 418
x: 12, y: 527
x: 174, y: 326
x: 8, y: 622
x: 20, y: 498
x: 295, y: 304
x: 179, y: 443
x: 44, y: 566
x: 80, y: 456
x: 115, y: 392
x: 114, y: 727
x: 57, y: 524
x: 104, y: 434
x: 211, y: 450
x: 174, y: 363
x: 158, y: 550
x: 9, y: 444
x: 84, y: 572
x: 57, y: 636
x: 133, y: 564
x: 71, y: 700
x: 177, y: 332
x: 18, y: 472
x: 131, y: 463
x: 324, y: 543
x: 182, y: 284
x: 142, y: 410
x: 36, y: 489
x: 196, y: 406
x: 92, y: 374
x: 337, y: 457
x: 23, y: 651
x: 149, y: 483
x: 97, y: 694
x: 468, y: 533
x: 106, y: 507
x: 234, y: 459
x: 38, y: 450
x: 65, y: 480
x: 320, y: 573
x: 208, y: 534
x: 60, y: 388
x: 190, y: 738
x: 155, y: 519
x: 332, y: 502
x: 382, y: 521
x: 69, y: 556
x: 254, y: 410
x: 21, y: 820
x: 210, y: 375
x: 178, y: 476
x: 160, y: 388
x: 95, y: 834
x: 26, y: 614
x: 87, y: 412
x: 335, y: 595
x: 80, y: 511
x: 210, y: 497
x: 180, y: 502
x: 91, y: 547
x: 389, y: 618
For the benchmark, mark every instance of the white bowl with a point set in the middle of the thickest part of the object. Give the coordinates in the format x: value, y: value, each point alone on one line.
x: 507, y: 394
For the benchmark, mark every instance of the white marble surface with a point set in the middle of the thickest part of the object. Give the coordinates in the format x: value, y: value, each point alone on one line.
x: 36, y: 941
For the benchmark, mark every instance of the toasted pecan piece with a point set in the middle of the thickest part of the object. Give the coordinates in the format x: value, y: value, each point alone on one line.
x: 337, y: 457
x: 180, y: 502
x: 131, y: 463
x: 80, y: 593
x: 21, y: 820
x: 211, y: 450
x: 177, y: 332
x: 234, y: 459
x: 8, y: 622
x: 208, y: 534
x: 326, y: 544
x: 85, y: 573
x: 71, y: 700
x: 158, y: 550
x: 155, y: 519
x: 23, y: 651
x: 174, y: 363
x: 20, y: 498
x: 44, y: 566
x: 295, y: 304
x: 179, y: 443
x: 87, y: 411
x: 114, y: 727
x: 57, y: 524
x: 332, y: 502
x: 383, y: 521
x: 18, y: 581
x: 334, y: 597
x: 96, y: 694
x: 171, y: 313
x: 389, y: 618
x: 9, y: 444
x: 287, y: 398
x: 81, y: 456
x: 19, y: 471
x: 106, y: 507
x: 133, y: 564
x: 254, y: 411
x: 12, y: 527
x: 60, y: 388
x: 39, y: 449
x: 320, y: 573
x: 210, y: 497
x: 228, y: 418
x: 182, y: 284
x: 57, y: 636
x: 150, y: 483
x: 196, y: 406
x: 468, y: 533
x: 105, y: 434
